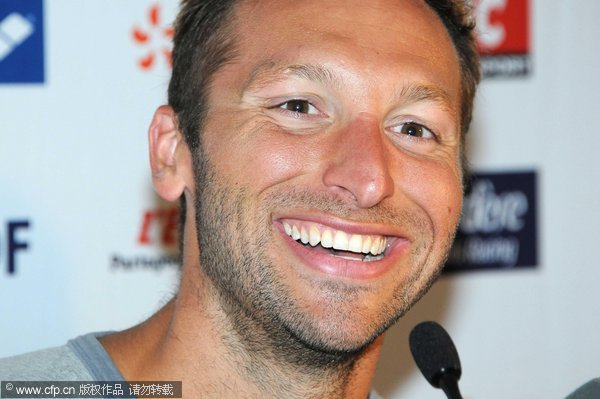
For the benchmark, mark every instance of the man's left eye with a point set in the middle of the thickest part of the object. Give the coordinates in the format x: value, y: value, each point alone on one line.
x: 299, y: 106
x: 413, y: 129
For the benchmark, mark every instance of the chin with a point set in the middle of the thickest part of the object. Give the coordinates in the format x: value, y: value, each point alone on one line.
x: 343, y: 332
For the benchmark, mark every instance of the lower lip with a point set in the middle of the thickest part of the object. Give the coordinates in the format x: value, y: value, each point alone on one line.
x: 331, y: 265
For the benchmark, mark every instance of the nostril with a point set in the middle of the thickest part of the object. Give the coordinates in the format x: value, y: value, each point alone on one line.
x: 343, y: 193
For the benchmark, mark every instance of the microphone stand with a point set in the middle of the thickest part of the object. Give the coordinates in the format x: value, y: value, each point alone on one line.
x: 449, y: 384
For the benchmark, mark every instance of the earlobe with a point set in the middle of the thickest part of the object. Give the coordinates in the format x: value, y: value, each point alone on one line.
x: 170, y: 160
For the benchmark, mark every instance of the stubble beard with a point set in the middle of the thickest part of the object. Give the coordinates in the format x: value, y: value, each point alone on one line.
x: 267, y: 322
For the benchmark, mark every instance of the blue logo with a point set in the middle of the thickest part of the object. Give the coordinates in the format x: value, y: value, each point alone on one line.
x: 15, y: 243
x: 499, y: 227
x: 21, y: 41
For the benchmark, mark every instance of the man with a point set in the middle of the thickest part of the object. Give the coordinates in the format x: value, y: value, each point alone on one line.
x: 317, y: 149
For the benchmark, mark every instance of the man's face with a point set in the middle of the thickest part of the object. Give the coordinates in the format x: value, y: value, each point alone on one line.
x: 331, y: 185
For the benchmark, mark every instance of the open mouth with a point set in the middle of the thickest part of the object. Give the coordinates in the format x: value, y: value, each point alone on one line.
x: 355, y: 247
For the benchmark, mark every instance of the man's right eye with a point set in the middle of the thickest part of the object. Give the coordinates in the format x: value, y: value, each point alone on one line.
x: 299, y: 106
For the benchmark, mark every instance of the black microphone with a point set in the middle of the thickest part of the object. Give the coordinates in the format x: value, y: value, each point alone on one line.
x: 591, y: 390
x: 436, y: 356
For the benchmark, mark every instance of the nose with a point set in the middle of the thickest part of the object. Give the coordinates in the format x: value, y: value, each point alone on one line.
x: 358, y: 166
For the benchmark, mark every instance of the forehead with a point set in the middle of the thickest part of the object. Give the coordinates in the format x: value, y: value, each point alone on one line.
x: 370, y: 45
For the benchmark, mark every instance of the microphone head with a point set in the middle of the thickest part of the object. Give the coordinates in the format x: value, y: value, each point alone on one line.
x: 434, y: 352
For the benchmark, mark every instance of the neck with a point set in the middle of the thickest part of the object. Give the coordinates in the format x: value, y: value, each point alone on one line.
x: 193, y: 339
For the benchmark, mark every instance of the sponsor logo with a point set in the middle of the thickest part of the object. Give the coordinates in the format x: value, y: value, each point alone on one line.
x: 499, y: 223
x: 156, y: 241
x: 13, y: 242
x: 21, y: 41
x: 503, y: 37
x: 159, y: 226
x: 155, y: 39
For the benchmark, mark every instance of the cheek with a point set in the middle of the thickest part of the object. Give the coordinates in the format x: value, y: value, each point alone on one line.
x: 437, y: 189
x: 262, y: 160
x: 275, y: 161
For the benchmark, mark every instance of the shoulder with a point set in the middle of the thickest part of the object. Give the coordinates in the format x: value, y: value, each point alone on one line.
x: 59, y: 363
x: 81, y: 359
x: 374, y: 395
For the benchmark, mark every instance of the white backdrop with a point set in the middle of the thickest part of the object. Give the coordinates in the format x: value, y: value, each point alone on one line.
x: 73, y: 159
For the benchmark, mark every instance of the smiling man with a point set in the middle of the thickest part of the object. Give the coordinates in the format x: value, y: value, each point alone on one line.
x: 317, y: 149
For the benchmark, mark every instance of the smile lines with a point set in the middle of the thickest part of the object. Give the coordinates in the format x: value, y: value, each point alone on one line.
x: 327, y: 237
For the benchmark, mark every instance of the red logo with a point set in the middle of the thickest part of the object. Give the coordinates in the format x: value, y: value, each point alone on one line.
x: 159, y: 226
x: 503, y: 26
x: 156, y: 39
x: 503, y: 37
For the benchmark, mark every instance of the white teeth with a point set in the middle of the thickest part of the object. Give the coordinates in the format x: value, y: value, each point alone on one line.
x: 375, y: 246
x: 315, y: 236
x: 295, y: 233
x: 355, y: 243
x: 340, y: 241
x: 288, y: 229
x: 327, y: 239
x: 366, y: 246
x: 303, y: 236
x: 372, y: 247
x: 347, y: 257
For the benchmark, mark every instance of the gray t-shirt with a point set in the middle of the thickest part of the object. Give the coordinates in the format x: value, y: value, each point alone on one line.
x: 81, y: 359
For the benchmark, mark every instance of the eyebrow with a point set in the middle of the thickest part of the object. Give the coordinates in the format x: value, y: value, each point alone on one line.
x: 270, y: 72
x: 414, y: 93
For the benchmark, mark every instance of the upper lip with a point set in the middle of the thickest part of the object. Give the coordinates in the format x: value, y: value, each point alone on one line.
x: 348, y: 226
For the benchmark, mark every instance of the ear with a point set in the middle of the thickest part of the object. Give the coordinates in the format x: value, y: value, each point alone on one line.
x: 170, y: 158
